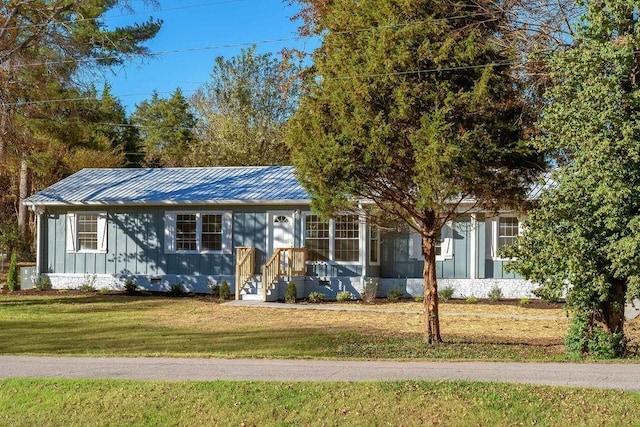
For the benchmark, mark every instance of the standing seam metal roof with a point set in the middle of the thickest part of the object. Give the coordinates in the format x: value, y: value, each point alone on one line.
x: 250, y: 184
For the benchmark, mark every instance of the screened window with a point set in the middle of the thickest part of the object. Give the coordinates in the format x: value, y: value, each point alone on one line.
x: 87, y: 232
x: 347, y: 238
x: 211, y: 232
x: 186, y: 232
x: 508, y: 229
x: 316, y: 238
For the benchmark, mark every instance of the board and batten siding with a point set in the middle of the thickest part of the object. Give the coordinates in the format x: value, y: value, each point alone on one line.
x: 400, y: 260
x: 136, y: 245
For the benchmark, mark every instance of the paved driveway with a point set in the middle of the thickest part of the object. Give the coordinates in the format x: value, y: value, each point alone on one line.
x: 614, y: 376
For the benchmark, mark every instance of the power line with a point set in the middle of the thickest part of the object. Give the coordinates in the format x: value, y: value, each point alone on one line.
x: 352, y: 77
x: 243, y: 44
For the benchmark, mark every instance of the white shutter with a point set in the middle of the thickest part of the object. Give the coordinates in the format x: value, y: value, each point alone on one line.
x: 169, y: 232
x: 71, y: 232
x: 227, y: 232
x: 102, y: 232
x: 492, y: 236
x: 446, y: 249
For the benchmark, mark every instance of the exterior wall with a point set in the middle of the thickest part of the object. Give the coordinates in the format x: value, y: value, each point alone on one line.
x: 136, y: 248
x: 399, y: 258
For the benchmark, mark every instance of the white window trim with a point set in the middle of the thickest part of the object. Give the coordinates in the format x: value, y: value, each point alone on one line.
x: 170, y: 232
x: 332, y: 229
x: 72, y: 235
x: 495, y: 222
x: 446, y: 248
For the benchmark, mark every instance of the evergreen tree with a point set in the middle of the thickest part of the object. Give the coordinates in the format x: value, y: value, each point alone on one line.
x: 165, y: 128
x: 411, y: 105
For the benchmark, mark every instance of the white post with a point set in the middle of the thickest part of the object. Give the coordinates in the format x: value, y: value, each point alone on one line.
x: 473, y: 255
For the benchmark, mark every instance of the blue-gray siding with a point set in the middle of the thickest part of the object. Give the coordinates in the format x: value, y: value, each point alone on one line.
x: 136, y: 246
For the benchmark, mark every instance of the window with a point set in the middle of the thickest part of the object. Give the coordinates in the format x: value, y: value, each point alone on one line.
x: 504, y: 232
x: 197, y: 232
x: 374, y: 245
x: 186, y: 232
x: 316, y: 238
x: 211, y: 232
x: 347, y: 238
x: 86, y: 232
x: 444, y: 244
x: 335, y: 240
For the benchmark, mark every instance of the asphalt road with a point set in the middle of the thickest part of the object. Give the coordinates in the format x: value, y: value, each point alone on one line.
x: 611, y: 376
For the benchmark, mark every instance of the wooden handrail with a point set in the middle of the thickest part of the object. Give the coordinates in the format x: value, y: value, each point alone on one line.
x: 245, y: 263
x: 283, y: 262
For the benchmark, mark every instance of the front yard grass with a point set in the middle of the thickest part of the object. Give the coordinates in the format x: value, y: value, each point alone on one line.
x: 29, y: 402
x: 120, y: 325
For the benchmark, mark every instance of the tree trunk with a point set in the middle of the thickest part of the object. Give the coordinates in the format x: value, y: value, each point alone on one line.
x: 432, y: 318
x: 612, y: 310
x: 24, y: 190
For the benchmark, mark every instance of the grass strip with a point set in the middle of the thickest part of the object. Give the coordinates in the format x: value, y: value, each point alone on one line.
x: 44, y: 402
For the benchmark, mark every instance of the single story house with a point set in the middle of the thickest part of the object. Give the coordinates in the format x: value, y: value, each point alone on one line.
x: 249, y: 226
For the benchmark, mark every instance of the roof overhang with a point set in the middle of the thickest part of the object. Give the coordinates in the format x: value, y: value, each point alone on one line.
x: 172, y: 203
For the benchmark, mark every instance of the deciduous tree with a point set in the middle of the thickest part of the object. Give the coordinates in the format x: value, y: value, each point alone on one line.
x: 584, y: 238
x: 243, y: 109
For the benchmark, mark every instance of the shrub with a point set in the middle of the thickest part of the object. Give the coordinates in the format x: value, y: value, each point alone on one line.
x: 495, y: 294
x: 370, y: 291
x: 291, y: 294
x: 177, y: 289
x: 316, y: 297
x: 130, y: 286
x: 525, y: 301
x: 418, y: 299
x: 214, y: 288
x: 86, y: 287
x: 471, y: 300
x: 344, y: 296
x: 13, y: 283
x: 89, y: 284
x: 225, y: 291
x: 445, y: 293
x: 585, y: 338
x: 395, y: 294
x: 104, y: 290
x: 43, y: 283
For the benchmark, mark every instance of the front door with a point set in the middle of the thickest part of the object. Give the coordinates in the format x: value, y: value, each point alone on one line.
x: 280, y: 230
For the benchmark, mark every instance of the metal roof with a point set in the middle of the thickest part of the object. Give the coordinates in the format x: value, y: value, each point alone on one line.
x: 219, y: 185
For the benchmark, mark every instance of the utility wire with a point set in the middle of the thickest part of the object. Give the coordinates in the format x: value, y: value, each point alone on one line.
x: 352, y: 77
x: 242, y: 44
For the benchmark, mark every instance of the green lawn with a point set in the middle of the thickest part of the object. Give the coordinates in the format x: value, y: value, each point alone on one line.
x: 409, y: 403
x: 120, y: 325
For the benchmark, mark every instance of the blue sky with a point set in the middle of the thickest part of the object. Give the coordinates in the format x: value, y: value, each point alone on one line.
x: 193, y: 34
